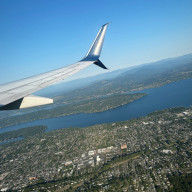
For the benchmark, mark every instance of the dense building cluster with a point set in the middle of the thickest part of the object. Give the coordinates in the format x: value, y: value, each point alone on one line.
x: 136, y: 155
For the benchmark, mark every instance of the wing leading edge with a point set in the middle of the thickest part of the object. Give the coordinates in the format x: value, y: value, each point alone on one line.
x: 17, y: 94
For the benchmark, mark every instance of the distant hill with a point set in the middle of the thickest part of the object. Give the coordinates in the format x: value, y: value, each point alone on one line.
x: 119, y: 76
x: 137, y: 78
x: 65, y: 87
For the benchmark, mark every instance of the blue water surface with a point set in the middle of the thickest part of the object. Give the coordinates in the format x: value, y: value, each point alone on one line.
x: 177, y: 94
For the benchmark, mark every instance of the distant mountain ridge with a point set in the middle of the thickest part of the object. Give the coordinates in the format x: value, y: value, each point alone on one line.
x: 130, y: 74
x: 136, y: 78
x: 65, y: 87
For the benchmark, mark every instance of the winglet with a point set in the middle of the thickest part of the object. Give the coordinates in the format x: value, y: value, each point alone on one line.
x: 95, y: 50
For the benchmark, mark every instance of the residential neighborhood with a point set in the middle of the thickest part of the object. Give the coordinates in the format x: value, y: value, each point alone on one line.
x: 137, y: 155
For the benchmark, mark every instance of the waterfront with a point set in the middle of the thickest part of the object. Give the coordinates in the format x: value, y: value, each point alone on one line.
x: 177, y: 94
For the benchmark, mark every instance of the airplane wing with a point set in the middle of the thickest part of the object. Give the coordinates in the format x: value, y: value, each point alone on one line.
x: 16, y: 95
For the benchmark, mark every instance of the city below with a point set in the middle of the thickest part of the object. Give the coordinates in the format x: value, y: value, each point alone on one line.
x: 152, y: 153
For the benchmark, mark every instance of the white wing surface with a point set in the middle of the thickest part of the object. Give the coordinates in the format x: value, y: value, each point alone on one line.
x: 17, y: 94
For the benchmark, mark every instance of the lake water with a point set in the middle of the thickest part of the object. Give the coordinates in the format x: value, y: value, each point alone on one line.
x: 177, y: 94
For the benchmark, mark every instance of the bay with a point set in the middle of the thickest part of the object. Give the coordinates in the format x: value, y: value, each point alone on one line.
x: 177, y: 94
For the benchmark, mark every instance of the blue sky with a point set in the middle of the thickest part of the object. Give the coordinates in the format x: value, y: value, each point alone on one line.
x: 40, y: 35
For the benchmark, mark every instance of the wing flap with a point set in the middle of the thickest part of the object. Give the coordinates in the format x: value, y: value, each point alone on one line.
x: 29, y: 101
